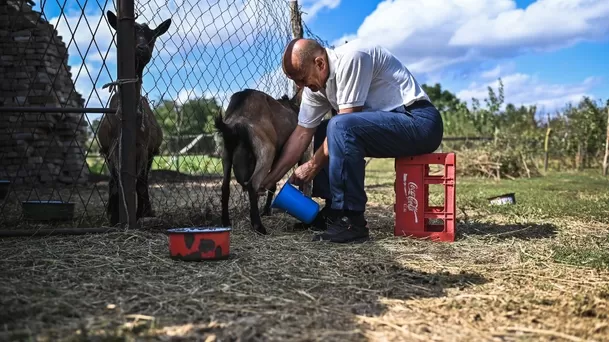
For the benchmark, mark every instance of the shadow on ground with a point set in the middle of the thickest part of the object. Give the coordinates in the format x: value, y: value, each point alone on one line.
x: 528, y: 231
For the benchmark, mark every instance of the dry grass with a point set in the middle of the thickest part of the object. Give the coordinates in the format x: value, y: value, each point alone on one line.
x: 175, y: 202
x: 508, y: 277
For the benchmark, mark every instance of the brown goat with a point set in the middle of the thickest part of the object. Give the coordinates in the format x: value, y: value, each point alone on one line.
x: 149, y: 135
x: 254, y: 130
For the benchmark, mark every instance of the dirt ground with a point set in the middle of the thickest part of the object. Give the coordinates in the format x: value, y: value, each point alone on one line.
x: 499, y: 281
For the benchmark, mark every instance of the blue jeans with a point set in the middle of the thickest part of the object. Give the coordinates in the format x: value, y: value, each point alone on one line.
x: 351, y: 137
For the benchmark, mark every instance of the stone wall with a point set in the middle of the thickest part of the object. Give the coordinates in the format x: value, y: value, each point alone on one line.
x: 37, y: 147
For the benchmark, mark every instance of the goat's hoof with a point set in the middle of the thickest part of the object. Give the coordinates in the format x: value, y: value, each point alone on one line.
x: 260, y: 230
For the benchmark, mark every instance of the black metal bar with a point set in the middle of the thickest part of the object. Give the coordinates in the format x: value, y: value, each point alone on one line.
x: 55, y: 110
x: 60, y: 231
x: 125, y: 36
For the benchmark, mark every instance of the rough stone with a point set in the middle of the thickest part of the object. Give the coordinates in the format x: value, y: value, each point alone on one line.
x: 37, y: 147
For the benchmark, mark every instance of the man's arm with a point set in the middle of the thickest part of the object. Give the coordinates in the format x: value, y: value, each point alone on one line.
x: 321, y: 156
x: 354, y: 76
x: 294, y: 147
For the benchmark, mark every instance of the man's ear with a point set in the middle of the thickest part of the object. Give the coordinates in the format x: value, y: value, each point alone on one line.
x: 320, y: 63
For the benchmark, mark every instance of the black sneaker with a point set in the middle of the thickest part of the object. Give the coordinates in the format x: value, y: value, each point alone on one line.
x: 320, y: 221
x: 345, y: 229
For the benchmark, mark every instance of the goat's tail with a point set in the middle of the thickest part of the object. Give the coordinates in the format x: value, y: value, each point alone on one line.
x: 234, y: 134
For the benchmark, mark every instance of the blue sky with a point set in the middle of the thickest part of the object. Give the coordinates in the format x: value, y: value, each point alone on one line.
x: 547, y: 52
x: 209, y: 50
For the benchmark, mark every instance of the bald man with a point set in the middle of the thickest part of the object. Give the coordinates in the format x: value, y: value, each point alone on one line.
x: 382, y: 113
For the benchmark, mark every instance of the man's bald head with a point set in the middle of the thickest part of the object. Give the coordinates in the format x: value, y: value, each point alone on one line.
x: 300, y: 55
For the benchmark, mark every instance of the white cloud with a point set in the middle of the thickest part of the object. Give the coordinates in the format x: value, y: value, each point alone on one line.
x: 89, y: 37
x: 493, y: 73
x: 186, y: 95
x: 545, y: 24
x: 89, y: 42
x: 274, y: 83
x: 435, y: 34
x: 213, y: 47
x: 216, y: 22
x: 498, y: 70
x: 523, y: 89
x: 312, y: 7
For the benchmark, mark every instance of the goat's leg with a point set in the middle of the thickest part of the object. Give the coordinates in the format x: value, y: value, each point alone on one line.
x: 254, y: 211
x: 269, y: 200
x: 138, y: 190
x: 271, y: 192
x: 227, y: 164
x: 113, y: 198
x: 144, y: 208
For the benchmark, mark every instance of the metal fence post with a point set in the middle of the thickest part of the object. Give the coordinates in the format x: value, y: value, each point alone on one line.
x: 126, y: 71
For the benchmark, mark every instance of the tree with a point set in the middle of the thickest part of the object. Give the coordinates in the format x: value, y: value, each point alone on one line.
x: 587, y: 127
x: 193, y: 117
x: 444, y: 100
x: 181, y: 122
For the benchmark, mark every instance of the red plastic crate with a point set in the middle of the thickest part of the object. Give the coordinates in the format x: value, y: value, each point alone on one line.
x: 412, y: 210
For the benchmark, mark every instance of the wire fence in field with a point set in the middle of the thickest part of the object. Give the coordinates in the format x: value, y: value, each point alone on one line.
x: 56, y: 58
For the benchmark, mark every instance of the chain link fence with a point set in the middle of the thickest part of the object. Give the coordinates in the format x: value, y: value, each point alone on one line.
x: 57, y: 56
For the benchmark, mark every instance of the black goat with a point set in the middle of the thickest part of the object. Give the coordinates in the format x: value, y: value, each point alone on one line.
x: 254, y: 130
x: 149, y: 135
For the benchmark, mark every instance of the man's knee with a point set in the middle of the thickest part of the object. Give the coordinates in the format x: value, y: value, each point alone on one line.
x: 339, y: 125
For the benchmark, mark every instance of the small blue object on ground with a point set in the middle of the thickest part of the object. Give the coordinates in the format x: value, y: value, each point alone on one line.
x: 296, y: 203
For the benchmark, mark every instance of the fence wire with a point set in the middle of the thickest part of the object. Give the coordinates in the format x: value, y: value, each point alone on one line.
x: 59, y: 54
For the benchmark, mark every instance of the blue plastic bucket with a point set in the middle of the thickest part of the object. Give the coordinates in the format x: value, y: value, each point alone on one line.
x: 296, y: 203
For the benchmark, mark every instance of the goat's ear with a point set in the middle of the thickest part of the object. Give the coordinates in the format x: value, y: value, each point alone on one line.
x: 297, y: 98
x: 161, y: 29
x: 111, y: 19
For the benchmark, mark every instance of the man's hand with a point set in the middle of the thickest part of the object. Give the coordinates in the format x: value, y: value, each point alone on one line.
x: 305, y: 173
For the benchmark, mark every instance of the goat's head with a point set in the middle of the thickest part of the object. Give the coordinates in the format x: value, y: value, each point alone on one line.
x: 145, y: 38
x: 294, y: 102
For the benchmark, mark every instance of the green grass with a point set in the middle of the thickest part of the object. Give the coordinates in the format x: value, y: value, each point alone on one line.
x: 191, y: 164
x: 567, y: 198
x: 580, y: 195
x: 557, y: 194
x: 590, y: 252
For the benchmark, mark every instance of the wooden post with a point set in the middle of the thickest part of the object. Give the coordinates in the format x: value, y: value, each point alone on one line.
x: 298, y: 32
x: 545, y: 146
x: 579, y: 156
x: 296, y: 19
x: 606, y: 159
